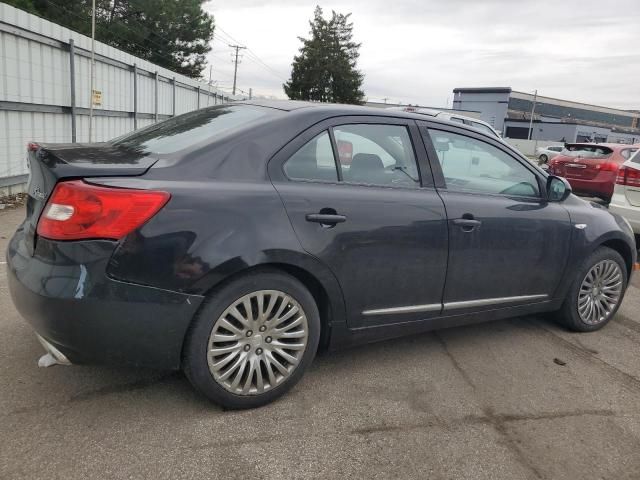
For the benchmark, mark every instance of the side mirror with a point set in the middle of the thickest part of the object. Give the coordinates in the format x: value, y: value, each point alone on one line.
x: 558, y: 189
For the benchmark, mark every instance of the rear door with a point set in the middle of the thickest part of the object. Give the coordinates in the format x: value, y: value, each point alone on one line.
x: 507, y: 245
x: 360, y: 197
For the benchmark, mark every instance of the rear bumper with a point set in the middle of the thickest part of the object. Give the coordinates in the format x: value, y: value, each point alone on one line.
x: 90, y: 318
x: 601, y: 186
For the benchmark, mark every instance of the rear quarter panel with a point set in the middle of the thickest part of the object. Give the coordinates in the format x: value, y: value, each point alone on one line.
x: 209, y: 231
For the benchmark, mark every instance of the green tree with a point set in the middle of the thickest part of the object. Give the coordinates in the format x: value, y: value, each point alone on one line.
x: 174, y: 34
x: 325, y: 69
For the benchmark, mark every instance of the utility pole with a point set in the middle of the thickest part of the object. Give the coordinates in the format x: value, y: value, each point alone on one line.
x: 235, y: 70
x: 209, y: 84
x: 250, y: 93
x: 533, y: 110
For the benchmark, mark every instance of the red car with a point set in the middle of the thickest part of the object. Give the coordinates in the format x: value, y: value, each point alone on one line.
x: 591, y: 168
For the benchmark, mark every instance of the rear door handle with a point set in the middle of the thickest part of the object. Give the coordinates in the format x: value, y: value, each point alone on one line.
x: 467, y: 224
x: 325, y: 218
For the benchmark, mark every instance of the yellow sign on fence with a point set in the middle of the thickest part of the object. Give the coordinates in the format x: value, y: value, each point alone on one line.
x: 96, y: 98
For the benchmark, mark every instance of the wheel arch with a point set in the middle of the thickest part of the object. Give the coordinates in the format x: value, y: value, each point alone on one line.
x: 315, y: 276
x: 623, y: 249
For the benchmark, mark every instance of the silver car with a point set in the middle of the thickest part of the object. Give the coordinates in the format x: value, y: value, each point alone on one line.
x: 544, y: 154
x: 452, y: 117
x: 626, y: 194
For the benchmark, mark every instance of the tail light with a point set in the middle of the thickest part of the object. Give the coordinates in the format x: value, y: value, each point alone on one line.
x: 78, y: 210
x: 629, y: 177
x: 607, y: 167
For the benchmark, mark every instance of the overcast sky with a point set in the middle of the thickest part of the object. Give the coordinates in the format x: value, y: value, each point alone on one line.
x: 417, y: 51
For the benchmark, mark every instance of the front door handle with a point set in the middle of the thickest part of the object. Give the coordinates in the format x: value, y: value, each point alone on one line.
x: 467, y: 224
x: 325, y: 218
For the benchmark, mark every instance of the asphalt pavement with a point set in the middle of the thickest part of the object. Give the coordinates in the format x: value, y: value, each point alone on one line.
x: 515, y: 399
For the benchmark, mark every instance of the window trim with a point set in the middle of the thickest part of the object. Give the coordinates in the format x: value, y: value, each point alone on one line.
x: 275, y: 165
x: 440, y: 182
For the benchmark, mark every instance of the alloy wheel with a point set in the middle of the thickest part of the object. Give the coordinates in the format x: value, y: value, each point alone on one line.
x: 257, y: 342
x: 600, y: 292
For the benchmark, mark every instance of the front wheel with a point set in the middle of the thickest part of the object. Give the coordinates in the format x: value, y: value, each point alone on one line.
x: 252, y: 340
x: 543, y: 159
x: 596, y: 293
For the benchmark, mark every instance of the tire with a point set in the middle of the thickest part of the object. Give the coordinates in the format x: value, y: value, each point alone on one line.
x: 543, y: 158
x: 570, y: 315
x: 255, y: 352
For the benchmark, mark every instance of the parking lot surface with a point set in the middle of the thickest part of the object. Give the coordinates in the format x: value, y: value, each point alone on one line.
x: 515, y: 399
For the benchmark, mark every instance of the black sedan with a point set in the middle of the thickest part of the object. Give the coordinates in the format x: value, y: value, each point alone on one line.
x: 234, y: 241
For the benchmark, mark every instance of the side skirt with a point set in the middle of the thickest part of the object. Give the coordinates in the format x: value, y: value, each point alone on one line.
x: 343, y: 337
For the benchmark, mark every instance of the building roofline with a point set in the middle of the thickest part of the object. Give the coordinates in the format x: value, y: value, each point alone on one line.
x: 585, y: 106
x: 483, y: 90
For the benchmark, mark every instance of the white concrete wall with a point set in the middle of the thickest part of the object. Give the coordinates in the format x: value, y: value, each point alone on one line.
x: 528, y: 147
x: 35, y: 74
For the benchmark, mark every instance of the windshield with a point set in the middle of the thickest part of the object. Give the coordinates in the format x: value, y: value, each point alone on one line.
x: 587, y: 151
x: 191, y: 128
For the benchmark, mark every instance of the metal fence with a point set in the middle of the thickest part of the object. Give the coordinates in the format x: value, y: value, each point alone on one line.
x: 45, y: 91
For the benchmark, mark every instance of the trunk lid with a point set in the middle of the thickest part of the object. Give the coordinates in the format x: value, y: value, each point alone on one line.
x: 582, y: 162
x: 50, y: 163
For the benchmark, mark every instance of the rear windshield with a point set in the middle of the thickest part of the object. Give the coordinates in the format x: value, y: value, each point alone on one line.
x: 587, y: 151
x: 191, y: 128
x: 635, y: 158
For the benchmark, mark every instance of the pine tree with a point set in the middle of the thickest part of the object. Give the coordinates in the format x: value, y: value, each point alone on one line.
x: 325, y: 69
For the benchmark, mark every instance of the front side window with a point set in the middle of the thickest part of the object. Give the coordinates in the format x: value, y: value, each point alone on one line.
x: 313, y: 161
x: 376, y: 155
x: 470, y: 165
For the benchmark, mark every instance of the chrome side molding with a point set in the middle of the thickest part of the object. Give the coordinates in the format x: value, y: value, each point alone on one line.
x: 493, y: 301
x: 433, y: 307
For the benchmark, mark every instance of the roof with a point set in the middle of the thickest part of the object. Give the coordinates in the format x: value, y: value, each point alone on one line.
x: 483, y: 90
x: 319, y: 111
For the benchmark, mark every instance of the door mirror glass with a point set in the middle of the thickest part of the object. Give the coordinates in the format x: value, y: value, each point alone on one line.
x: 558, y: 189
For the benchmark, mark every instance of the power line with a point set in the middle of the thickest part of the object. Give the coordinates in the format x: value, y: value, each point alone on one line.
x: 251, y: 55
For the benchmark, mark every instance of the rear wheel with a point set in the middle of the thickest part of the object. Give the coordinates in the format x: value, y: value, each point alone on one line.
x: 543, y: 158
x: 252, y: 340
x: 596, y: 293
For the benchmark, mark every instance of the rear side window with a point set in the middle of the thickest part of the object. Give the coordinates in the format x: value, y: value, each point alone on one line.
x: 314, y: 161
x: 187, y: 130
x: 378, y: 155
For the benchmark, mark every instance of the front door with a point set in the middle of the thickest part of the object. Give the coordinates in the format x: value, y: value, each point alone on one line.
x: 508, y: 245
x: 357, y: 201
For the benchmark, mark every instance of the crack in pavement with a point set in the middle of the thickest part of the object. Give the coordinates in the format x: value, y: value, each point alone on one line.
x: 629, y: 381
x: 99, y: 392
x: 622, y: 319
x: 497, y: 422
